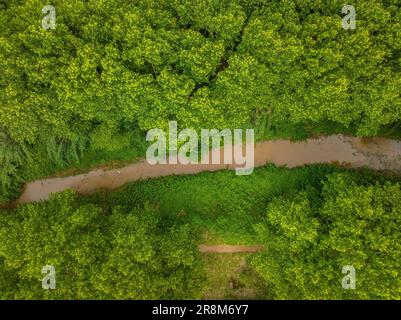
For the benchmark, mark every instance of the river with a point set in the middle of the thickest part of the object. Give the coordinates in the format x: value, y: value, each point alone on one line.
x: 374, y: 153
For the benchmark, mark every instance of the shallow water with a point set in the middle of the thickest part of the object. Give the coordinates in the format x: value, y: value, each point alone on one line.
x: 374, y: 153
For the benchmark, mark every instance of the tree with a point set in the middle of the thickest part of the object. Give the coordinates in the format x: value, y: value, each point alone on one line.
x: 123, y: 254
x: 308, y: 241
x: 60, y: 233
x: 200, y: 63
x: 110, y: 65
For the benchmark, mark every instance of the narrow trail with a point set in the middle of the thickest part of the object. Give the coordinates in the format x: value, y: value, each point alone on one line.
x: 374, y: 153
x: 229, y: 249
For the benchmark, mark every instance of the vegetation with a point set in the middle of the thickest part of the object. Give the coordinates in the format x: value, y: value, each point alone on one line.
x: 111, y: 70
x: 141, y: 242
x: 311, y: 236
x: 85, y: 93
x: 238, y: 281
x: 225, y: 205
x: 116, y: 254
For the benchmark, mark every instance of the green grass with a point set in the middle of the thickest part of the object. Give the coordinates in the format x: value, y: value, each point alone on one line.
x: 229, y: 276
x: 303, y: 131
x: 222, y: 204
x: 63, y: 158
x: 223, y: 208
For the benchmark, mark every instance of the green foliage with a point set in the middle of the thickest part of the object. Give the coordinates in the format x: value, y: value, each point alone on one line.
x: 319, y: 71
x: 116, y: 255
x: 149, y: 259
x: 117, y: 245
x: 225, y: 205
x: 84, y: 93
x: 309, y: 239
x: 59, y: 233
x: 107, y: 138
x: 277, y: 66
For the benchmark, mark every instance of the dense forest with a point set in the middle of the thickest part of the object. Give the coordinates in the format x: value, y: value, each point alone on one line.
x: 84, y: 92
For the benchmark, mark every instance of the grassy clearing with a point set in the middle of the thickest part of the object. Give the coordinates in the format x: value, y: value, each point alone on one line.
x: 228, y: 276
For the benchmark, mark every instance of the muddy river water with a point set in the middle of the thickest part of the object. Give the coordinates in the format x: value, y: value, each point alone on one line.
x: 374, y: 153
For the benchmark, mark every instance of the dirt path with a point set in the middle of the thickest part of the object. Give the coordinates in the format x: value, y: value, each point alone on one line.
x: 229, y: 249
x: 375, y: 153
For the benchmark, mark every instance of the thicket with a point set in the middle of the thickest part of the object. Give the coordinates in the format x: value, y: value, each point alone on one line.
x: 112, y: 67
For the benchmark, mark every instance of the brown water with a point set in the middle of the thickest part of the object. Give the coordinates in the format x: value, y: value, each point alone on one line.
x: 374, y: 153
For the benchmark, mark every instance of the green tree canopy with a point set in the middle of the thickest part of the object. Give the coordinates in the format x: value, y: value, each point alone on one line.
x: 309, y: 240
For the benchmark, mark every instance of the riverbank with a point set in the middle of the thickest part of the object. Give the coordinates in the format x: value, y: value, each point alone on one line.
x: 373, y: 153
